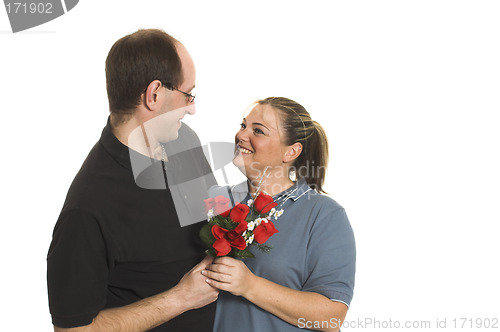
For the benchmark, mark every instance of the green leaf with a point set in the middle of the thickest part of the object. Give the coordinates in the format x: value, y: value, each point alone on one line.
x: 224, y: 222
x: 206, y: 235
x: 211, y: 252
x: 244, y: 254
x: 262, y: 247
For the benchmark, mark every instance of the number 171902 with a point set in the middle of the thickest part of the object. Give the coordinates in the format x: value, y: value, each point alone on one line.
x: 29, y: 8
x: 477, y: 323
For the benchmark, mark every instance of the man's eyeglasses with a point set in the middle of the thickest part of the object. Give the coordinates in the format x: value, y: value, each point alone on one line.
x: 189, y: 97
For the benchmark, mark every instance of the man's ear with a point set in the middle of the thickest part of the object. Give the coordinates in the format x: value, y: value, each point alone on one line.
x: 292, y: 152
x: 150, y: 96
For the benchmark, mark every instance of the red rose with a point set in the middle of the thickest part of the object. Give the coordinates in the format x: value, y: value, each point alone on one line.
x: 220, y: 204
x: 264, y: 203
x: 242, y: 226
x: 209, y: 203
x: 239, y: 212
x: 225, y: 240
x: 221, y: 247
x: 236, y: 240
x: 264, y: 231
x: 218, y: 232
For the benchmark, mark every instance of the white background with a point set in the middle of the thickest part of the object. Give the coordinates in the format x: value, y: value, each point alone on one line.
x: 408, y: 92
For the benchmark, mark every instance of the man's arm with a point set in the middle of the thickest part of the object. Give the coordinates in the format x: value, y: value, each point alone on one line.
x: 191, y: 292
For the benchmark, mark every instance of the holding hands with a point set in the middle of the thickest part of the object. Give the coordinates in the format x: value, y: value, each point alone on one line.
x: 231, y: 275
x: 194, y: 291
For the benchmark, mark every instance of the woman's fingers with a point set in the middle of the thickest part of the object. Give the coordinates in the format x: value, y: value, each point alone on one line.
x: 219, y: 285
x: 221, y: 277
x: 228, y: 274
x: 221, y: 268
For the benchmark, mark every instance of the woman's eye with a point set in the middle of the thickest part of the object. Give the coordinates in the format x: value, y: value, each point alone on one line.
x: 243, y: 126
x: 258, y: 131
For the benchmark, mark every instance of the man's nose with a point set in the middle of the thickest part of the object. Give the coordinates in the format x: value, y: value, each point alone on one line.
x: 191, y: 109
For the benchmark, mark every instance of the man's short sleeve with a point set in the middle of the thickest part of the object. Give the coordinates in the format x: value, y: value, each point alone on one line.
x: 77, y: 270
x: 331, y: 256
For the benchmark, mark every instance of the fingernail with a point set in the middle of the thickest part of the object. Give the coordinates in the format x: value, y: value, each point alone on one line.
x: 203, y: 272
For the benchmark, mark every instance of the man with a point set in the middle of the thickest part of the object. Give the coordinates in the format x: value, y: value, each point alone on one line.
x: 119, y: 259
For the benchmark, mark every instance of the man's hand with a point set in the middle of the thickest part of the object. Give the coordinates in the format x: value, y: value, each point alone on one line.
x: 191, y: 292
x: 194, y: 288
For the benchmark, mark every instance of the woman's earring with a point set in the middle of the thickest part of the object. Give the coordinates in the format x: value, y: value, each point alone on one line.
x: 292, y: 175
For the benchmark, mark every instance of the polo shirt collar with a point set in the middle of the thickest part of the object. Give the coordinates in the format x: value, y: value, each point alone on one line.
x: 241, y: 188
x: 114, y: 147
x: 298, y: 190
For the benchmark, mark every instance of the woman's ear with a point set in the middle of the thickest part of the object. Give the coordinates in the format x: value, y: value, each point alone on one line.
x: 151, y: 94
x: 292, y: 152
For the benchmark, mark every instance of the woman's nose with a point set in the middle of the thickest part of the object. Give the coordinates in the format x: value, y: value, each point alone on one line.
x: 241, y: 135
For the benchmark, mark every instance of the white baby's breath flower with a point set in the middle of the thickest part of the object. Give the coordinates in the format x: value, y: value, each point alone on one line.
x: 250, y: 202
x: 244, y: 233
x: 278, y: 214
x: 251, y: 226
x: 258, y: 221
x: 210, y: 213
x: 250, y: 240
x: 273, y: 210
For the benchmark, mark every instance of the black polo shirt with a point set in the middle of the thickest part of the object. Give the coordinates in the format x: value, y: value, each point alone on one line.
x: 116, y: 242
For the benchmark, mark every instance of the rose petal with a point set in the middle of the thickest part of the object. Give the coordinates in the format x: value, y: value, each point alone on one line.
x: 242, y: 226
x: 264, y: 231
x: 239, y: 212
x: 219, y: 232
x: 221, y: 247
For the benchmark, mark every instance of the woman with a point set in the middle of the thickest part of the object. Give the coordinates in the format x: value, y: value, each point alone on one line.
x: 307, y: 279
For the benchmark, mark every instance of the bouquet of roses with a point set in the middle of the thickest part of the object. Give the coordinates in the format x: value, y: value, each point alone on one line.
x: 230, y: 232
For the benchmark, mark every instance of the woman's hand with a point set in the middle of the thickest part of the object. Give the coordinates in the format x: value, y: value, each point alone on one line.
x: 229, y: 274
x: 291, y: 305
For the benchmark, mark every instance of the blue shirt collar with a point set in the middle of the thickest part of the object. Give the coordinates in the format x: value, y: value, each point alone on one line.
x: 298, y: 190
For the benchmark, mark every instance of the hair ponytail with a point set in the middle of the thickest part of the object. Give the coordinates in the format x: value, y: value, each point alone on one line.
x: 311, y: 165
x: 317, y: 154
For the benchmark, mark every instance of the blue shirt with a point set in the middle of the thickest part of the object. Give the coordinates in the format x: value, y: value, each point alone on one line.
x: 314, y: 251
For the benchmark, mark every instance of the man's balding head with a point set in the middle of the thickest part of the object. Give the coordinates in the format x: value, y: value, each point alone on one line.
x: 136, y: 60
